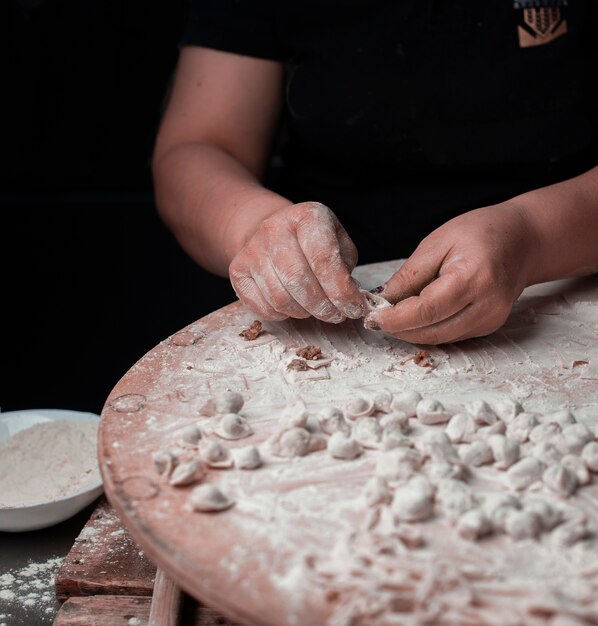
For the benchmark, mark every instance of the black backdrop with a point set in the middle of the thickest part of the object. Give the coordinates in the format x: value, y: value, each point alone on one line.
x: 91, y: 278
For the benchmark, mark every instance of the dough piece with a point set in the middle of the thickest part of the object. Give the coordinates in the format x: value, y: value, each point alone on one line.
x: 332, y: 420
x: 575, y: 437
x: 477, y: 453
x: 563, y: 418
x: 394, y: 439
x: 233, y: 426
x: 373, y: 302
x: 560, y: 479
x: 436, y: 445
x: 367, y: 432
x: 496, y: 506
x: 547, y: 515
x: 383, y: 401
x: 454, y: 497
x: 225, y: 402
x: 589, y: 456
x: 521, y: 426
x: 216, y: 455
x: 461, y: 428
x: 165, y: 461
x: 505, y: 451
x: 292, y: 442
x: 406, y: 402
x: 522, y: 525
x: 342, y: 447
x: 247, y: 458
x: 570, y: 532
x: 359, y: 407
x: 294, y: 415
x: 189, y: 436
x: 483, y: 433
x: 545, y: 432
x: 473, y: 524
x: 414, y: 501
x: 430, y: 411
x: 546, y: 453
x: 578, y: 467
x: 209, y: 499
x: 399, y: 463
x: 397, y: 421
x: 377, y: 491
x: 481, y: 412
x: 187, y: 473
x: 524, y: 473
x: 507, y: 409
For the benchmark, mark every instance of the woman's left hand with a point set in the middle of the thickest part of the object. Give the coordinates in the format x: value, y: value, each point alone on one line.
x: 462, y: 279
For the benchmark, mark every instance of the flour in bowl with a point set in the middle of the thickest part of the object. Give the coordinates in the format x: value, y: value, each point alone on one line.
x: 48, y: 461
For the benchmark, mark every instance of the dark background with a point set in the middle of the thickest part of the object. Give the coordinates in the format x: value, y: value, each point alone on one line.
x: 92, y: 279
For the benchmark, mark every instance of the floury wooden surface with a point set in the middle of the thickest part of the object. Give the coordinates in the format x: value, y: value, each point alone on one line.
x: 106, y: 580
x: 261, y: 562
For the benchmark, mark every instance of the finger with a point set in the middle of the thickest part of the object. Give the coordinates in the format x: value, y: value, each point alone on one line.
x: 462, y: 324
x: 275, y: 292
x: 347, y: 248
x: 250, y: 295
x: 294, y: 272
x: 438, y: 301
x: 420, y: 269
x: 324, y: 256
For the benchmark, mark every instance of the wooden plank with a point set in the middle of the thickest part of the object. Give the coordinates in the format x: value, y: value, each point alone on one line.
x: 105, y: 560
x: 166, y: 601
x: 104, y: 610
x: 113, y: 610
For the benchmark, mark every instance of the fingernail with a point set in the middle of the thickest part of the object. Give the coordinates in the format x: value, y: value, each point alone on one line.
x: 337, y: 319
x: 371, y: 324
x: 377, y: 290
x: 354, y: 311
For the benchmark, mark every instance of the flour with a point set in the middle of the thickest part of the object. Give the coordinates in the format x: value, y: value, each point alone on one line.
x: 29, y: 588
x: 449, y: 541
x: 48, y: 461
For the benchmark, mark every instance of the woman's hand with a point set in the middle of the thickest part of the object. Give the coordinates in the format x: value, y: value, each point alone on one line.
x: 298, y: 263
x: 462, y: 279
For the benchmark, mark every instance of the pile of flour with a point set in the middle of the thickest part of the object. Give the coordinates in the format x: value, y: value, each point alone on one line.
x: 28, y: 589
x: 48, y: 461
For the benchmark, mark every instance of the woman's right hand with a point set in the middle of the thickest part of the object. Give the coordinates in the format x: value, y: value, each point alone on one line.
x: 298, y: 263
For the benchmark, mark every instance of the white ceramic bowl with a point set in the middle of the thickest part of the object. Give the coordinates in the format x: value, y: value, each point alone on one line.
x: 17, y: 519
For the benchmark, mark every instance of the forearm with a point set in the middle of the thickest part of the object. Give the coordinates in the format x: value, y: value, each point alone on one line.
x: 210, y: 201
x: 564, y: 218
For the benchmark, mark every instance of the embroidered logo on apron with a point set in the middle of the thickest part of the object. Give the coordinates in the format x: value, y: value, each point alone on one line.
x: 540, y: 21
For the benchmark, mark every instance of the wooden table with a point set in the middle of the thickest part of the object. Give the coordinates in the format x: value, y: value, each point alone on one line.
x: 107, y: 580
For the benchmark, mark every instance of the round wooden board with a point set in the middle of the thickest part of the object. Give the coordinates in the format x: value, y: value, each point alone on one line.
x: 255, y: 561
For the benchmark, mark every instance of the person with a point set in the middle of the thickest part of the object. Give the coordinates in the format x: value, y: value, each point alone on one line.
x: 462, y: 135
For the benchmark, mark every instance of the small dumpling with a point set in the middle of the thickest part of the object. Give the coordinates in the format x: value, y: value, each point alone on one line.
x: 431, y: 411
x: 224, y: 402
x: 247, y: 458
x: 165, y: 461
x: 292, y: 442
x: 187, y: 473
x: 367, y: 432
x: 332, y: 420
x: 189, y: 436
x: 342, y: 447
x: 359, y: 407
x: 209, y: 499
x: 216, y: 455
x: 233, y: 426
x: 406, y: 401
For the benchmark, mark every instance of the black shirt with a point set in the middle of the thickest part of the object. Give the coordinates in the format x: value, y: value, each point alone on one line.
x: 401, y: 114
